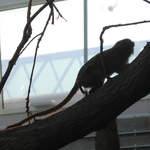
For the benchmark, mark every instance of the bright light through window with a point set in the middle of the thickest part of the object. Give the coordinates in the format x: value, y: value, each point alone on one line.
x: 107, y: 12
x: 62, y: 36
x: 59, y: 55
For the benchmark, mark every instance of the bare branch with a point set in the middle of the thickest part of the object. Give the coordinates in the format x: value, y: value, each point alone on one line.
x: 29, y: 43
x: 52, y: 10
x: 34, y: 61
x: 29, y: 30
x: 59, y: 12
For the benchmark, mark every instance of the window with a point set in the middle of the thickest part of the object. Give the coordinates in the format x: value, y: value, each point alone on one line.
x: 108, y: 12
x: 60, y: 54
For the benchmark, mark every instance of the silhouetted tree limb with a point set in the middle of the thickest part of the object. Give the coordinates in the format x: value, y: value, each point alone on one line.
x: 90, y: 114
x: 51, y: 15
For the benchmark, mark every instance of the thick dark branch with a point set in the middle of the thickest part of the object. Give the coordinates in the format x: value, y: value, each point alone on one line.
x: 89, y: 114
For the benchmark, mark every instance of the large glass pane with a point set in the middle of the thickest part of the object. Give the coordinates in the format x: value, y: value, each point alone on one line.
x: 108, y: 12
x: 60, y: 54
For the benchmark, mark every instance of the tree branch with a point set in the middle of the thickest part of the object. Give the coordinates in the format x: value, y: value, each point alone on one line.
x: 51, y: 15
x: 29, y: 43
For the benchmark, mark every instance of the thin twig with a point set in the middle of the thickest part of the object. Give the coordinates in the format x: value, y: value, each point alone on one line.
x: 34, y: 61
x: 59, y: 12
x: 114, y: 26
x: 29, y: 43
x: 29, y: 32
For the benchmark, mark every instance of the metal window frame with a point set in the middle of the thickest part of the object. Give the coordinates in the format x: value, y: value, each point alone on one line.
x: 1, y: 94
x: 85, y: 14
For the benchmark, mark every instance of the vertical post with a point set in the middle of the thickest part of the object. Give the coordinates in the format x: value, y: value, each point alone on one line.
x: 85, y: 15
x: 107, y: 138
x: 1, y: 94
